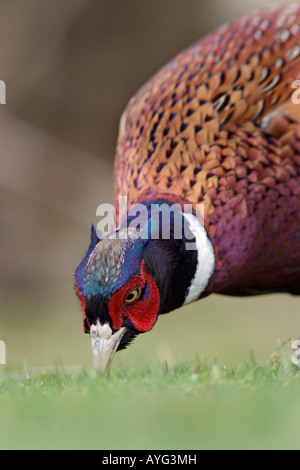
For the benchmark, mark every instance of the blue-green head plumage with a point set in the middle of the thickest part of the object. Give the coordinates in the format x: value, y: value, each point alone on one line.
x: 109, y: 262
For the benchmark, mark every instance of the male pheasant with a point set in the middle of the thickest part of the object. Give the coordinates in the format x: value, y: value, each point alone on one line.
x: 217, y: 126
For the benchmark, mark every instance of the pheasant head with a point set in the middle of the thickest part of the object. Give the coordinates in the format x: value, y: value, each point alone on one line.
x: 128, y: 278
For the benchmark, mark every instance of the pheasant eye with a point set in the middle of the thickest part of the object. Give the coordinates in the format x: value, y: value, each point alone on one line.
x: 132, y: 296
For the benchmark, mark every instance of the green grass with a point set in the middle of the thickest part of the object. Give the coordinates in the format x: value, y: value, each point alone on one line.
x: 157, y: 396
x: 189, y: 406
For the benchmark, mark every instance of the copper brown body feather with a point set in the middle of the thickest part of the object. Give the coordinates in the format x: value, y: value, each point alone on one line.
x: 217, y: 126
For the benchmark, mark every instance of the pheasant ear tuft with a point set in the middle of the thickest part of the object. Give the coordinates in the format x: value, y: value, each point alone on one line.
x: 94, y: 241
x: 96, y: 236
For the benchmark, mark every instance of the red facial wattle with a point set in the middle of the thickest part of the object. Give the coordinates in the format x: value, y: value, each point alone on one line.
x: 143, y: 312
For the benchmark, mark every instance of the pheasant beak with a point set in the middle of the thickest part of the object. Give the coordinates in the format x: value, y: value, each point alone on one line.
x: 104, y: 345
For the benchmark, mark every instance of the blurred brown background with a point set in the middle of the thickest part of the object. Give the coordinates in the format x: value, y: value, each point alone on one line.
x: 70, y: 67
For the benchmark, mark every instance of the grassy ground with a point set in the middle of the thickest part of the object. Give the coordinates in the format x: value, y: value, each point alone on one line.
x: 188, y: 406
x: 158, y: 394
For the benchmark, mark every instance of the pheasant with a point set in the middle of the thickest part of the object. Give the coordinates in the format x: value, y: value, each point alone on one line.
x: 216, y: 127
